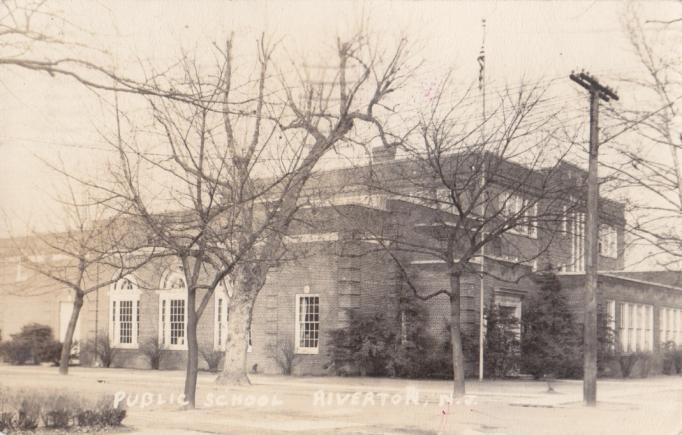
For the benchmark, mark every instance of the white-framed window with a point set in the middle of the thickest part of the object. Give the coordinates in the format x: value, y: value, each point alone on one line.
x: 670, y: 325
x: 635, y: 329
x: 22, y: 271
x: 608, y: 241
x: 173, y: 311
x: 307, y: 332
x: 516, y: 207
x: 222, y: 298
x: 611, y: 320
x: 124, y: 304
x: 577, y: 234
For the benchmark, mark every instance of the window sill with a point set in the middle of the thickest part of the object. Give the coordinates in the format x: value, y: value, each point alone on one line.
x: 125, y: 346
x: 522, y: 233
x: 307, y: 351
x: 174, y: 347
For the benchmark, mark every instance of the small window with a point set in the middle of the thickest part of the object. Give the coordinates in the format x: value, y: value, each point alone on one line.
x: 307, y: 323
x: 608, y: 241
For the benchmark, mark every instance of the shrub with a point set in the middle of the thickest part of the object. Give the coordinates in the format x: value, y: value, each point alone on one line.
x: 284, y: 355
x: 57, y: 410
x: 28, y: 412
x: 6, y: 421
x: 502, y: 344
x: 24, y: 410
x: 15, y: 352
x: 365, y: 344
x: 416, y: 352
x: 375, y: 345
x: 672, y: 358
x: 34, y: 344
x: 107, y: 414
x: 212, y: 358
x: 152, y: 350
x: 103, y: 351
x: 627, y: 362
x: 645, y: 360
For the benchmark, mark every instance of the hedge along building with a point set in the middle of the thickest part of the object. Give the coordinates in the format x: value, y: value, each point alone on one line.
x: 338, y: 266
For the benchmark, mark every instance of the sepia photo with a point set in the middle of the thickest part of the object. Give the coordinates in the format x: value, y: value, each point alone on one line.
x: 340, y: 217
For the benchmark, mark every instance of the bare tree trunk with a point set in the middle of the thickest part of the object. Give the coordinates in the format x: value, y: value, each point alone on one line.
x: 455, y: 335
x: 68, y: 337
x: 192, y: 369
x: 238, y: 325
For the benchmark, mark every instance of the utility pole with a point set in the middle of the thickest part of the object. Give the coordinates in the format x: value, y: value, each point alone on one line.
x: 597, y: 92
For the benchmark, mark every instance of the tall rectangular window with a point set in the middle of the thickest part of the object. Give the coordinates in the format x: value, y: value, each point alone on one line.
x: 577, y: 233
x: 307, y: 323
x: 173, y: 322
x: 220, y: 324
x: 162, y: 321
x: 611, y: 319
x: 124, y: 329
x: 137, y: 321
x: 636, y: 327
x: 678, y: 336
x: 670, y: 325
x: 125, y: 322
x: 177, y: 322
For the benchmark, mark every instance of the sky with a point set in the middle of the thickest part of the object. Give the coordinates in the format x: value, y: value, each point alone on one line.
x: 57, y: 120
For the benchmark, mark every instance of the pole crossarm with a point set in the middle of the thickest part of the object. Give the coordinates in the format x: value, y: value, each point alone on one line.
x: 593, y: 86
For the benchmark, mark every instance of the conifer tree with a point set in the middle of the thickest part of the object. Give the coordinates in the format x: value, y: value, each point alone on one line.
x: 550, y: 343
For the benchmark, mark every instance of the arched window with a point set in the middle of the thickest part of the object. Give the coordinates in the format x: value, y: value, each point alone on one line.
x: 124, y: 306
x: 173, y: 281
x: 173, y: 311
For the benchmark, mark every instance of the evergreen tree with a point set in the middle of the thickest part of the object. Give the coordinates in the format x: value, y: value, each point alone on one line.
x: 550, y: 343
x: 501, y: 342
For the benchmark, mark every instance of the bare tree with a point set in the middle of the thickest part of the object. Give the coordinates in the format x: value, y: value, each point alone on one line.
x: 649, y: 170
x: 485, y: 188
x: 35, y: 36
x: 235, y: 161
x: 350, y: 107
x: 92, y: 243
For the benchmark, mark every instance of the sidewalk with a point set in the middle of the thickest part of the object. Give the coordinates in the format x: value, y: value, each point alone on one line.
x: 642, y: 406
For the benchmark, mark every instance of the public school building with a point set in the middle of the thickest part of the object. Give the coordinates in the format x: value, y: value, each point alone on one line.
x: 342, y: 270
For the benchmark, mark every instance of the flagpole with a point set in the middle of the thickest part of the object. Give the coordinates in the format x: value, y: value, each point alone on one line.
x: 481, y: 87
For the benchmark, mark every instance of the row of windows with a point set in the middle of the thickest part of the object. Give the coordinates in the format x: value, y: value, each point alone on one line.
x: 125, y: 319
x: 635, y: 325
